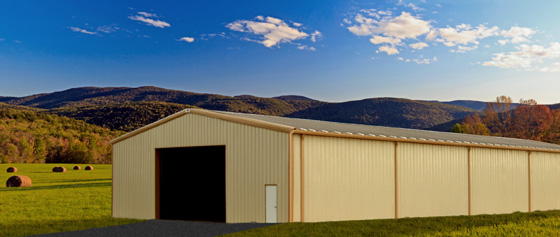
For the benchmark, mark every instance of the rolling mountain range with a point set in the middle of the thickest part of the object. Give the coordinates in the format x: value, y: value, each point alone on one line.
x: 126, y: 109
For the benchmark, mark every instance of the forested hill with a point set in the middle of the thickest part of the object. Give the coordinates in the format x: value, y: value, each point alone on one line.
x: 391, y: 112
x: 124, y: 117
x: 94, y: 96
x: 127, y: 109
x: 30, y: 137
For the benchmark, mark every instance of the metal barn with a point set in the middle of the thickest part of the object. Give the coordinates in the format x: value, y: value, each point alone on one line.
x: 230, y: 167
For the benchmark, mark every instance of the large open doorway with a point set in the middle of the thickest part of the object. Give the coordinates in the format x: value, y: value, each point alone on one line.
x: 191, y: 183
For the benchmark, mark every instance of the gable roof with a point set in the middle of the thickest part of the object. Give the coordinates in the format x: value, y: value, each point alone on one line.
x: 359, y: 131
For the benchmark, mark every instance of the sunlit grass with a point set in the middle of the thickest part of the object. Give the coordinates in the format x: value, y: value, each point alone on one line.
x: 516, y: 224
x: 74, y: 200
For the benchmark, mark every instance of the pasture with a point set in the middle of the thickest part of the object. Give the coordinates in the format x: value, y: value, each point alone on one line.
x: 56, y: 202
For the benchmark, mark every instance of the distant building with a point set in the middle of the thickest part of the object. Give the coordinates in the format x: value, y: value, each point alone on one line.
x: 230, y: 167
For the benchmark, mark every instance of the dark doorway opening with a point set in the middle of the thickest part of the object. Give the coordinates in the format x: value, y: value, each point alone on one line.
x: 192, y: 183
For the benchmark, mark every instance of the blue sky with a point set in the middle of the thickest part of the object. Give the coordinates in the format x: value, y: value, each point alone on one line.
x: 327, y: 50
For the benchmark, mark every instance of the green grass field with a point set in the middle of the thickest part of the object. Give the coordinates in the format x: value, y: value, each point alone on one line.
x: 516, y: 224
x: 56, y: 202
x: 78, y: 200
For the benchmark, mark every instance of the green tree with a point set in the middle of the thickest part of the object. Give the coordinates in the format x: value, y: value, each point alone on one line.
x: 40, y: 150
x: 457, y: 128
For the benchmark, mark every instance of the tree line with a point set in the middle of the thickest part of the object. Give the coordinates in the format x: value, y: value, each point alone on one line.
x: 529, y: 120
x: 29, y: 137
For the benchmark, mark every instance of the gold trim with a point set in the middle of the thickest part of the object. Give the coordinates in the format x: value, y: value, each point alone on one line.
x: 396, y: 181
x: 291, y: 178
x: 301, y: 178
x: 158, y: 181
x: 443, y: 143
x: 149, y: 126
x: 529, y: 175
x: 469, y: 177
x: 242, y: 120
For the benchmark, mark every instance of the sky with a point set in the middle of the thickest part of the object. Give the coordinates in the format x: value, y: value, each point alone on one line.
x: 323, y: 49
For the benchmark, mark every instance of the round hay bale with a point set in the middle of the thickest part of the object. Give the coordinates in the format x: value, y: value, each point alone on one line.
x: 59, y: 169
x: 18, y: 181
x: 89, y: 167
x: 77, y: 167
x: 11, y: 170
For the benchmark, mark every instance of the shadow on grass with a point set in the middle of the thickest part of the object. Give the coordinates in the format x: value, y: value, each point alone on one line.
x: 80, y: 185
x: 83, y: 180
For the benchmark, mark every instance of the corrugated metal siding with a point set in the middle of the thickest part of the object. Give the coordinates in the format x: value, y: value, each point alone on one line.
x: 254, y: 157
x: 297, y: 178
x: 432, y: 180
x: 348, y: 179
x: 500, y: 182
x: 545, y: 181
x: 131, y: 177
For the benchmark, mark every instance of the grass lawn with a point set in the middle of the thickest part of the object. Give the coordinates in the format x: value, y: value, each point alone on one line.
x: 74, y: 200
x: 516, y: 224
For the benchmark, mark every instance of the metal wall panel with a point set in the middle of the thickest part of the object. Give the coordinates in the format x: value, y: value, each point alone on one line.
x: 500, y: 181
x: 347, y: 179
x: 254, y: 157
x: 545, y: 181
x: 297, y: 178
x: 432, y: 180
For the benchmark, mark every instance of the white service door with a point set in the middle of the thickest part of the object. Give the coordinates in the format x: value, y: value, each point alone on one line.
x: 270, y: 204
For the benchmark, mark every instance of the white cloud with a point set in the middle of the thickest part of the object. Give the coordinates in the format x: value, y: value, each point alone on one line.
x: 401, y: 27
x: 145, y: 14
x: 107, y: 29
x: 503, y: 42
x: 464, y: 34
x: 387, y: 49
x: 377, y: 39
x: 517, y: 35
x: 503, y: 60
x: 273, y: 20
x: 305, y: 47
x: 423, y: 60
x: 411, y: 5
x: 389, y: 29
x: 432, y: 35
x: 187, y: 39
x: 272, y: 30
x: 371, y: 12
x: 76, y: 29
x: 386, y: 13
x: 149, y: 21
x: 463, y: 49
x: 526, y: 57
x: 404, y: 26
x: 419, y: 45
x: 316, y: 36
x: 555, y: 67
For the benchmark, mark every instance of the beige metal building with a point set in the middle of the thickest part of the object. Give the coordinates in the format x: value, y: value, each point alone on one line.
x: 232, y: 167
